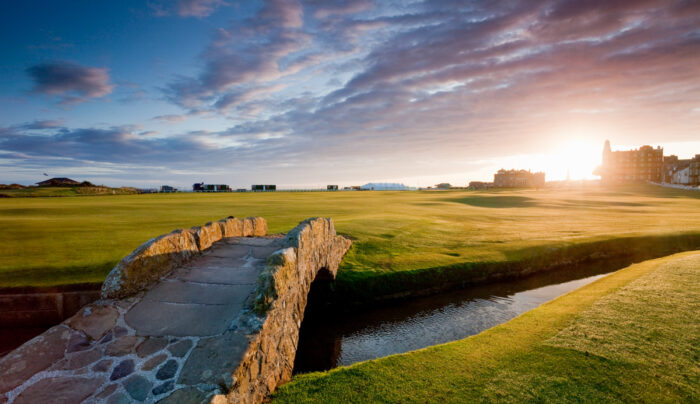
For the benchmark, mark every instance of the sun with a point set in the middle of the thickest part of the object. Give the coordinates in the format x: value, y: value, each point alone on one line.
x: 574, y: 159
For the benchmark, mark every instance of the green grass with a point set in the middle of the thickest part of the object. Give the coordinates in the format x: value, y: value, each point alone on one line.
x: 34, y: 192
x: 47, y: 241
x: 633, y: 336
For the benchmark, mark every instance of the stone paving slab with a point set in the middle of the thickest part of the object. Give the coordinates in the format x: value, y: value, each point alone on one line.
x: 203, y: 297
x: 177, y: 319
x: 177, y: 291
x: 223, y: 276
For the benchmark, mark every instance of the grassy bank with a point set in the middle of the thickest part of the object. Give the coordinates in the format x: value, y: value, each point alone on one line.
x: 629, y: 337
x: 46, y: 241
x: 42, y: 192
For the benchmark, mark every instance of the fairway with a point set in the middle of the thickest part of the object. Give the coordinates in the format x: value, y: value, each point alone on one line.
x: 631, y: 336
x: 46, y: 241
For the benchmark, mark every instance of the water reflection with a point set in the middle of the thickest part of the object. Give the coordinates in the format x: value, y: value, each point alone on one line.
x: 330, y: 339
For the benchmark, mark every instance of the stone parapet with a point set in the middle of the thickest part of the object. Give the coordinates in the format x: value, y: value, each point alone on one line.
x: 159, y: 256
x: 278, y: 310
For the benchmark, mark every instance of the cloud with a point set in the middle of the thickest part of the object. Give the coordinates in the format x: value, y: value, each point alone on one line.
x: 314, y: 89
x: 46, y: 124
x: 70, y: 81
x: 171, y: 118
x: 186, y: 8
x: 120, y: 144
x: 240, y: 57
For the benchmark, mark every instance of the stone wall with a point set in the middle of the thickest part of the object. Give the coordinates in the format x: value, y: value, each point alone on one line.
x: 159, y: 256
x: 278, y: 309
x: 43, y: 306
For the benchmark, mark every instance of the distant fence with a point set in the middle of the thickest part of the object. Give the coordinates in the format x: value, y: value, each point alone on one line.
x: 676, y: 186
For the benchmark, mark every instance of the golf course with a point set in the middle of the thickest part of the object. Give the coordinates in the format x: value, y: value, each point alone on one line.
x: 398, y: 237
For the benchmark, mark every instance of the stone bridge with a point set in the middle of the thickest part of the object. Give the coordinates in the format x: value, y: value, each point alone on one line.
x: 208, y: 314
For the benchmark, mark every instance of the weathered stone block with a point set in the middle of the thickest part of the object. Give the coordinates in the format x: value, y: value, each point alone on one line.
x: 259, y: 226
x: 60, y: 390
x: 154, y: 361
x: 94, y: 320
x: 102, y: 366
x: 151, y: 261
x: 231, y: 227
x: 151, y: 346
x: 180, y: 348
x: 248, y: 226
x: 138, y: 387
x: 213, y: 358
x: 122, y: 345
x: 32, y: 357
x: 207, y: 235
x: 186, y: 395
x: 124, y: 368
x: 167, y: 371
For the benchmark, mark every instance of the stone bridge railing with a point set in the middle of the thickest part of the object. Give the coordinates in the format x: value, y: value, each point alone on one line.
x: 98, y: 355
x: 279, y: 306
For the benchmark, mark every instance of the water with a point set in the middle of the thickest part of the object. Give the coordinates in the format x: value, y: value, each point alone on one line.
x: 329, y: 339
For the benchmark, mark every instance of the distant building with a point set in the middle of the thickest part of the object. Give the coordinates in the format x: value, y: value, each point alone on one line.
x: 58, y: 182
x: 480, y: 185
x: 682, y: 172
x: 518, y: 179
x: 332, y: 187
x: 353, y: 188
x: 643, y: 164
x: 384, y: 186
x: 202, y: 187
x: 443, y: 185
x: 167, y: 189
x: 263, y: 188
x: 686, y: 172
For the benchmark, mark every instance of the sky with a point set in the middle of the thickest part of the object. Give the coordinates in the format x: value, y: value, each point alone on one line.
x: 307, y: 93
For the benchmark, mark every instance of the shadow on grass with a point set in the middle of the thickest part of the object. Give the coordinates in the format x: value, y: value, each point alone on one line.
x: 496, y: 201
x: 598, y: 204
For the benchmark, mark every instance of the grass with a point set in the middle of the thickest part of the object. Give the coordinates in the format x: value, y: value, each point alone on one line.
x: 633, y: 336
x: 422, y: 235
x: 64, y: 191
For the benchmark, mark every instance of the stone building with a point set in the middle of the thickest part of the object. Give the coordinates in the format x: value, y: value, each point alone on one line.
x: 637, y: 165
x: 518, y: 179
x: 682, y: 171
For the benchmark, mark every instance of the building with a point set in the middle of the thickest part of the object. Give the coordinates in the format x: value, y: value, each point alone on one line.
x: 682, y: 172
x: 643, y: 164
x: 384, y: 186
x: 263, y: 188
x: 167, y: 189
x: 518, y: 179
x: 443, y: 185
x: 331, y: 187
x: 58, y: 182
x: 202, y: 187
x: 480, y: 185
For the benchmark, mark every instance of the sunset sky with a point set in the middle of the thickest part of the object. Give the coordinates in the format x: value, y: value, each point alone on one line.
x: 305, y: 94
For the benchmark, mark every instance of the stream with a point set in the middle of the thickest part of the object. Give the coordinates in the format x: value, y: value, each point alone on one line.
x: 330, y: 337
